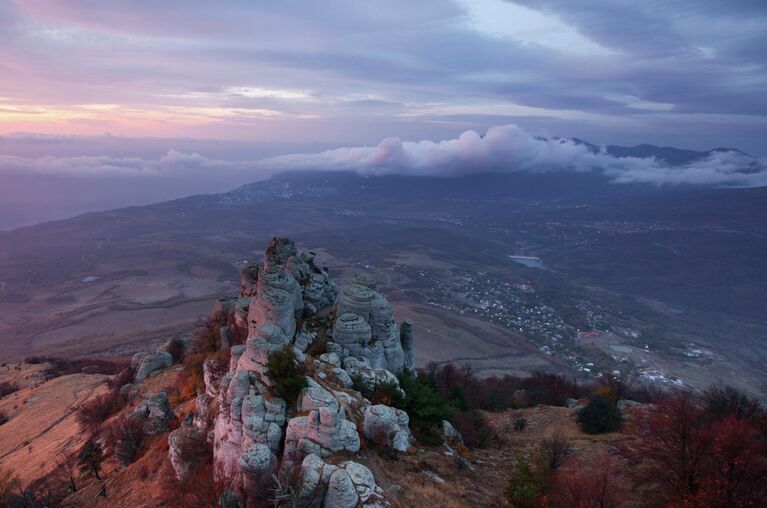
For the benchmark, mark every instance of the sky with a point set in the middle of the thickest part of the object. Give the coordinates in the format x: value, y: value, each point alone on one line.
x: 210, y: 95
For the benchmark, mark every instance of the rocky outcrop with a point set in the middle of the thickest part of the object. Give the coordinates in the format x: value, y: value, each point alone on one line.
x: 406, y: 340
x: 149, y: 363
x: 257, y: 435
x: 249, y: 279
x: 155, y: 414
x: 322, y: 432
x: 347, y: 485
x: 387, y: 427
x: 376, y: 311
x: 187, y: 450
x: 258, y: 466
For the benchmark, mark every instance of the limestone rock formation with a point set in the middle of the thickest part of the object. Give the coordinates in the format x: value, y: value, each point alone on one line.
x: 155, y: 414
x: 186, y: 449
x: 388, y: 427
x: 258, y: 465
x: 323, y: 432
x: 376, y: 311
x: 148, y: 363
x: 348, y: 485
x: 256, y: 434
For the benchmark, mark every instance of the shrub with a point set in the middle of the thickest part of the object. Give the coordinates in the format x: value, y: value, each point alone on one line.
x: 175, y: 348
x: 688, y: 460
x: 555, y: 448
x: 599, y: 416
x: 587, y: 485
x: 7, y: 388
x: 722, y: 401
x: 126, y: 434
x: 122, y: 378
x: 474, y: 429
x: 527, y: 485
x: 287, y: 377
x: 90, y: 458
x: 387, y: 393
x: 96, y: 410
x: 424, y: 404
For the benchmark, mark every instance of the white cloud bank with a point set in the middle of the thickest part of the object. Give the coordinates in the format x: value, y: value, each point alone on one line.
x: 505, y: 148
x: 508, y: 148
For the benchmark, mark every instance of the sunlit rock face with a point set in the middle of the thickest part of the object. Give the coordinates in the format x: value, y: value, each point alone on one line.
x: 256, y: 434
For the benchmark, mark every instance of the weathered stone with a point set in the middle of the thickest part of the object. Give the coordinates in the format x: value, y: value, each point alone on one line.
x: 375, y: 309
x: 364, y: 279
x: 278, y: 251
x: 387, y: 426
x: 272, y: 306
x: 187, y: 450
x: 258, y: 465
x: 151, y: 363
x: 155, y: 413
x: 341, y: 492
x: 360, y: 369
x: 263, y: 419
x: 304, y: 339
x: 450, y: 433
x: 249, y: 279
x: 315, y: 396
x: 406, y: 340
x: 322, y: 432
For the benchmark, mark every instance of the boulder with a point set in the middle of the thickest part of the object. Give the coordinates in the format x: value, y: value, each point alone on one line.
x: 155, y: 414
x: 348, y: 485
x: 322, y: 432
x: 258, y: 465
x: 450, y: 433
x: 315, y: 396
x: 387, y: 427
x: 151, y: 363
x: 187, y: 450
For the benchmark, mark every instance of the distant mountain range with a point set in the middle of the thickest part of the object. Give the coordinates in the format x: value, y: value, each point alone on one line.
x: 669, y: 154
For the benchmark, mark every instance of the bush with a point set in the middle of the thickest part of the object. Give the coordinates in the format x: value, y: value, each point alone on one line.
x: 722, y: 401
x: 556, y: 448
x: 94, y: 412
x: 527, y: 486
x: 474, y: 429
x: 586, y: 485
x: 424, y: 404
x: 122, y: 378
x: 7, y: 388
x: 688, y: 460
x: 90, y: 458
x: 175, y: 348
x: 599, y: 416
x: 126, y: 434
x: 288, y: 378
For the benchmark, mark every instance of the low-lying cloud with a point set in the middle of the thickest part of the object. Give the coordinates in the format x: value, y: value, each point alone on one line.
x: 505, y: 148
x: 508, y: 148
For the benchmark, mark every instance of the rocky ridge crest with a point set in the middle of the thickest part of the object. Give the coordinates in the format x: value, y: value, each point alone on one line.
x: 262, y: 442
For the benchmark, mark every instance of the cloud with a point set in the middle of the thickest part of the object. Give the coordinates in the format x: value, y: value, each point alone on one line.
x: 503, y: 148
x: 625, y: 72
x: 508, y: 148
